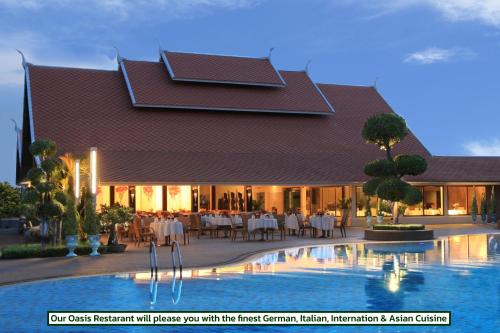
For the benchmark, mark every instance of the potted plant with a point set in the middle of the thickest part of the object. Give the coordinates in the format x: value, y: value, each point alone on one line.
x: 473, y: 209
x: 70, y: 226
x: 484, y: 209
x: 91, y: 225
x: 110, y: 216
x: 368, y: 212
x: 493, y: 213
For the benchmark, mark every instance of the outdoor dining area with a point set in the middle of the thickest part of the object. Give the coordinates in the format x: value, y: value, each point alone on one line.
x: 165, y: 227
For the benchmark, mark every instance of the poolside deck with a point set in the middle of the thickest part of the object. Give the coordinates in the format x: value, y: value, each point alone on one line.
x: 202, y: 252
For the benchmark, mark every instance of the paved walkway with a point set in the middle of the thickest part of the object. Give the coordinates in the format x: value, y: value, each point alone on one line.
x: 204, y: 252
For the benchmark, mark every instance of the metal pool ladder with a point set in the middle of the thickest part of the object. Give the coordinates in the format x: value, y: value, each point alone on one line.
x: 176, y: 292
x: 153, y: 262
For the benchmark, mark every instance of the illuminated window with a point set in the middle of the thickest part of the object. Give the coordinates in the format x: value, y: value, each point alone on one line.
x: 102, y: 197
x: 121, y: 195
x: 457, y: 200
x: 149, y: 198
x: 179, y: 198
x: 433, y: 200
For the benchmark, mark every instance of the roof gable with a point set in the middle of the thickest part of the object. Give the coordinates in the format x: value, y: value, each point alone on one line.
x: 151, y: 87
x: 191, y: 67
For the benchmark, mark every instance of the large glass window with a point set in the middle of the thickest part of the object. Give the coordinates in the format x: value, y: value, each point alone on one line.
x: 179, y: 198
x: 457, y: 200
x: 433, y: 200
x: 121, y: 195
x: 149, y: 198
x: 102, y: 197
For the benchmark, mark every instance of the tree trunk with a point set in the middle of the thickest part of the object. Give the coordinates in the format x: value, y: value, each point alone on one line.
x: 44, y: 232
x: 395, y: 212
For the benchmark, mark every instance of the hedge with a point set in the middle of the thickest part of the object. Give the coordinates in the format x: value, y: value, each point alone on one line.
x: 401, y: 227
x: 36, y: 251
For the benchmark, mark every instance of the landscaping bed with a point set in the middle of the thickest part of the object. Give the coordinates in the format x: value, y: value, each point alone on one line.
x: 36, y: 251
x: 399, y: 232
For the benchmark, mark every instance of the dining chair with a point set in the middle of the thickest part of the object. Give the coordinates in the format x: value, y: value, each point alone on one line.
x: 243, y: 229
x: 282, y: 226
x: 142, y: 234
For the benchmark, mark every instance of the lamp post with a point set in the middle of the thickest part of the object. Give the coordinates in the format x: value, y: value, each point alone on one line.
x: 77, y: 180
x: 93, y: 173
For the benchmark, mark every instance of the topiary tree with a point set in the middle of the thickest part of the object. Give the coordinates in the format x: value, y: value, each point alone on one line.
x: 386, y: 130
x: 492, y: 206
x: 10, y: 200
x: 71, y: 218
x: 474, y: 206
x: 44, y: 200
x: 91, y: 223
x: 484, y: 209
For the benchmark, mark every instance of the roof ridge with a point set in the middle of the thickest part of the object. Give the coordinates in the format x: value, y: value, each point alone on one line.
x: 73, y: 68
x: 218, y: 55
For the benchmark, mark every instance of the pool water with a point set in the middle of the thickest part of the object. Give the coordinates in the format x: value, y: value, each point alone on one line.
x: 460, y: 274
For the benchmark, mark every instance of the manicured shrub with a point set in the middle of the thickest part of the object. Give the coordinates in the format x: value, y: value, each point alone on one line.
x: 401, y: 227
x: 36, y: 251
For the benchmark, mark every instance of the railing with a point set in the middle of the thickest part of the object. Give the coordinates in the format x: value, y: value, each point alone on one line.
x: 176, y: 292
x: 153, y: 263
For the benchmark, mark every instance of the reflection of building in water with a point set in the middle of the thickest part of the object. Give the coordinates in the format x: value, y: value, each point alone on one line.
x: 372, y: 257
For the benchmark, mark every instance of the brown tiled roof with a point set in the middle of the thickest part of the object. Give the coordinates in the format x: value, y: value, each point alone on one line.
x: 221, y: 69
x: 152, y: 87
x: 81, y: 108
x: 461, y: 169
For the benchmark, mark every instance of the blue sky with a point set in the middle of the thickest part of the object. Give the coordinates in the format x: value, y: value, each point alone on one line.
x: 436, y: 60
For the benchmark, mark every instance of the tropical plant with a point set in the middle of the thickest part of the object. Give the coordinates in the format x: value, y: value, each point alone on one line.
x: 10, y: 200
x: 385, y: 130
x: 71, y: 218
x: 91, y: 223
x: 483, y: 207
x: 110, y: 216
x: 257, y: 205
x: 45, y: 198
x: 492, y: 206
x: 474, y: 206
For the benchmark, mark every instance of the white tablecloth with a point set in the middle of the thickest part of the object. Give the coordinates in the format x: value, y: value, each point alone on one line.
x: 167, y: 228
x: 291, y: 222
x: 266, y: 223
x: 222, y: 220
x: 325, y: 222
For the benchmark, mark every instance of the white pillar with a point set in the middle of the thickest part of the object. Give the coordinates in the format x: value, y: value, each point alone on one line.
x: 77, y: 180
x: 93, y: 173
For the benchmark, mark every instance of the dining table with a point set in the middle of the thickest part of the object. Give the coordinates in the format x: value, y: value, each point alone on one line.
x: 263, y: 223
x: 325, y: 223
x: 291, y: 222
x: 166, y: 229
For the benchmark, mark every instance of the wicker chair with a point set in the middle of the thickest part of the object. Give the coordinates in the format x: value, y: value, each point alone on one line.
x: 142, y: 234
x: 304, y: 225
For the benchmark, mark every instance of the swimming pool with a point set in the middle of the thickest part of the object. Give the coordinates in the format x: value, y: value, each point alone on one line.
x: 460, y: 274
